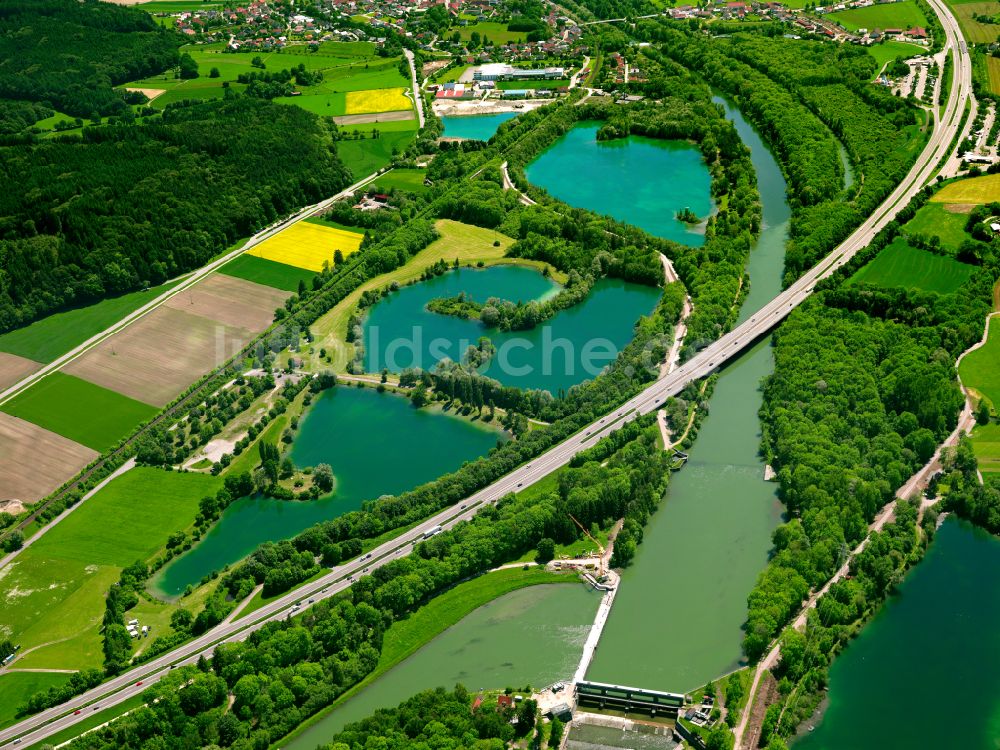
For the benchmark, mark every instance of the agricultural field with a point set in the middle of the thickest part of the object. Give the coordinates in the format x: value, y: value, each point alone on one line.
x: 159, y: 356
x: 346, y: 67
x: 79, y: 410
x: 52, y: 336
x: 34, y: 461
x: 376, y: 100
x: 307, y: 245
x: 973, y: 30
x: 14, y: 368
x: 980, y: 369
x: 467, y: 243
x: 985, y: 189
x: 366, y: 155
x: 53, y: 593
x: 993, y: 73
x: 233, y: 302
x: 887, y: 51
x: 900, y: 265
x: 267, y: 272
x: 494, y: 31
x: 899, y: 15
x: 411, y: 180
x: 940, y: 220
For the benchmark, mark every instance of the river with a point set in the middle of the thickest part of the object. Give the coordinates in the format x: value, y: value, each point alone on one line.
x: 349, y: 429
x: 934, y: 644
x: 530, y: 636
x: 684, y: 597
x: 643, y: 181
x: 573, y: 346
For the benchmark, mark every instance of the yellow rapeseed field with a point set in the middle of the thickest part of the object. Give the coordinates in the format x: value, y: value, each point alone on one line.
x: 307, y: 245
x: 376, y: 100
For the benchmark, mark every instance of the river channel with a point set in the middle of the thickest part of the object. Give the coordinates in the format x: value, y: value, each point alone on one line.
x: 926, y: 671
x: 376, y: 444
x: 683, y: 600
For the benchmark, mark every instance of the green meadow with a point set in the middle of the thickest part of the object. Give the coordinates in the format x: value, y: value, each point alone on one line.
x: 52, y: 336
x: 367, y: 155
x: 933, y: 219
x: 79, y: 410
x: 890, y: 50
x: 496, y: 32
x: 267, y: 272
x: 52, y: 595
x: 900, y: 15
x: 411, y: 180
x: 980, y: 370
x: 986, y: 445
x: 16, y: 686
x: 900, y: 265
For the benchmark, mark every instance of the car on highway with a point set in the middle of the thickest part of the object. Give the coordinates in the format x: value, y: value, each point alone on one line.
x: 76, y: 712
x: 138, y: 683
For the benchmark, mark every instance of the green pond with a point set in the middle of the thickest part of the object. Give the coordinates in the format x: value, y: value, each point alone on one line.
x: 642, y: 181
x: 572, y: 347
x: 530, y: 636
x: 476, y: 127
x: 926, y: 671
x: 684, y: 597
x: 376, y: 443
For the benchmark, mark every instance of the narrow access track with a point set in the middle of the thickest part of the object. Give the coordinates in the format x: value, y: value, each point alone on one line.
x: 118, y: 689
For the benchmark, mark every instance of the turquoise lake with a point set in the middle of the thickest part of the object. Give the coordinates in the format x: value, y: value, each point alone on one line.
x: 376, y: 443
x: 572, y: 347
x: 477, y: 127
x: 926, y: 671
x: 642, y: 181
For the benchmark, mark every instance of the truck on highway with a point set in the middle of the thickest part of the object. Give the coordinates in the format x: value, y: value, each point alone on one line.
x: 431, y: 532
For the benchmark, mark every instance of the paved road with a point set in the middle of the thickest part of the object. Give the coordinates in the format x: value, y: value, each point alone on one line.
x: 418, y: 100
x: 42, y: 725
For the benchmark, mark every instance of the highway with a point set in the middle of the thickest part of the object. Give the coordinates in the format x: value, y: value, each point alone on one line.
x: 46, y: 723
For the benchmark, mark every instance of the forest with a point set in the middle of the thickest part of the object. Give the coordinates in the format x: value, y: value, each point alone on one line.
x: 126, y: 207
x: 69, y: 55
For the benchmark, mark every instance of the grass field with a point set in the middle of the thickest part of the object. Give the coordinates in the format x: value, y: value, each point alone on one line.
x: 16, y: 687
x: 367, y: 155
x: 980, y: 370
x: 993, y: 73
x: 898, y: 15
x: 267, y: 272
x: 887, y: 51
x: 79, y: 410
x: 53, y: 593
x: 51, y: 337
x: 985, y: 189
x: 130, y: 519
x: 307, y: 245
x: 34, y: 462
x: 469, y: 244
x: 933, y: 219
x: 411, y: 180
x: 973, y: 30
x: 986, y: 445
x: 900, y: 265
x: 496, y: 32
x: 375, y: 100
x: 405, y: 637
